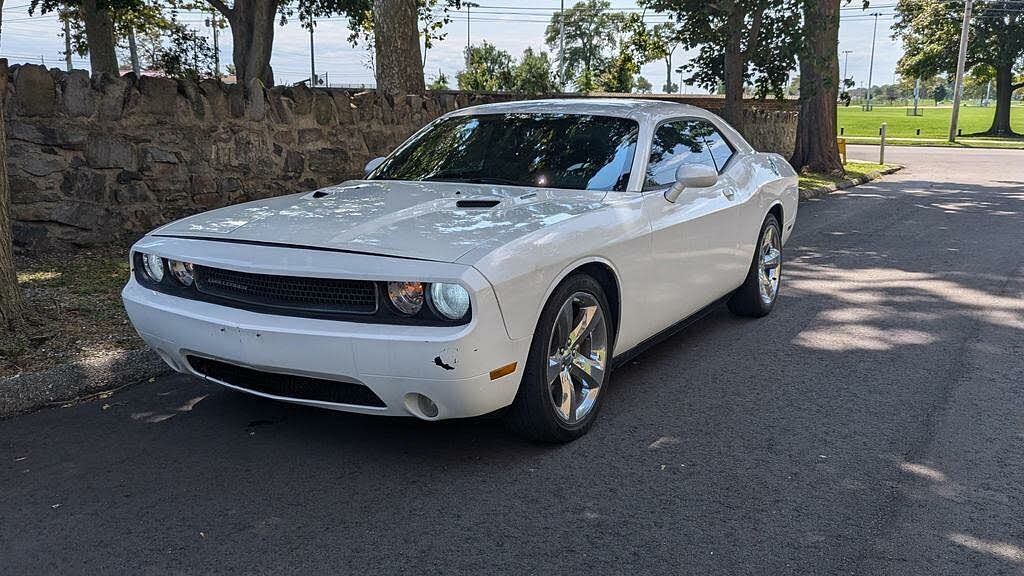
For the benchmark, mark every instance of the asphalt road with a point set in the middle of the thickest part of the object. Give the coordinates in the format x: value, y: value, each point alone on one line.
x: 873, y: 424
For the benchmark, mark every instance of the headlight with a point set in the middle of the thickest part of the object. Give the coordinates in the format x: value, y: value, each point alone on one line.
x: 406, y: 297
x: 183, y: 272
x: 154, y: 267
x: 450, y: 300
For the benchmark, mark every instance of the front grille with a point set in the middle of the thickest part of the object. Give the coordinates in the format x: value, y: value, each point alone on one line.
x: 287, y: 385
x: 321, y: 295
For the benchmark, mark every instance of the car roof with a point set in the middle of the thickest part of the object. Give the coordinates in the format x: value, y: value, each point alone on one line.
x: 633, y: 108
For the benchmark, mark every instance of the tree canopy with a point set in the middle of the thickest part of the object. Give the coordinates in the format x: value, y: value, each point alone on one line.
x: 494, y: 70
x: 739, y: 42
x: 591, y: 36
x: 930, y: 32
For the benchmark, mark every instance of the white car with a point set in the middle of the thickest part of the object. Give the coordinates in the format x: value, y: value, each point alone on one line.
x: 505, y: 257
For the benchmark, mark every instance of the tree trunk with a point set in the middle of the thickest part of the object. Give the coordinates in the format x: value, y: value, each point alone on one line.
x: 1004, y: 97
x: 99, y: 33
x: 734, y: 69
x: 397, y: 41
x: 10, y: 295
x: 252, y: 31
x: 816, y: 147
x: 668, y: 74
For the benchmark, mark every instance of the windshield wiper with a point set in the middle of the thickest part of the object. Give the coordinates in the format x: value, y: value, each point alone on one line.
x: 452, y: 177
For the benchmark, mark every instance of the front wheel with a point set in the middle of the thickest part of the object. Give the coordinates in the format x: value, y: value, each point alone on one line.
x: 756, y: 297
x: 568, y: 365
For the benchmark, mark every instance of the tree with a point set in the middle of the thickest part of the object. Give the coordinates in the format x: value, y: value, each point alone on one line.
x: 397, y: 46
x: 439, y: 83
x: 817, y: 148
x: 930, y: 32
x: 489, y: 70
x: 739, y: 41
x: 658, y: 42
x: 642, y: 85
x: 618, y: 75
x: 939, y: 93
x: 252, y: 24
x: 98, y: 23
x: 181, y: 52
x: 533, y: 75
x: 431, y: 21
x: 590, y: 35
x: 493, y: 70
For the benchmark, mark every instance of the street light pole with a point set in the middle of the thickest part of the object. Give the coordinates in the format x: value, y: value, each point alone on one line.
x: 468, y: 20
x: 312, y: 57
x: 958, y: 89
x: 67, y: 39
x: 846, y: 63
x: 871, y: 66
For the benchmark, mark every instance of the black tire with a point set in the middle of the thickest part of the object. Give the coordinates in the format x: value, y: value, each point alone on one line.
x: 747, y: 299
x: 533, y: 414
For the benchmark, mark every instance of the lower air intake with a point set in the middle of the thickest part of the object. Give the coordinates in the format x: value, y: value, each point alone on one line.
x: 287, y: 385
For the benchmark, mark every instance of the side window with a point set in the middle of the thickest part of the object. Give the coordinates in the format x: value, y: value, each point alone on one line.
x: 721, y: 150
x: 677, y: 143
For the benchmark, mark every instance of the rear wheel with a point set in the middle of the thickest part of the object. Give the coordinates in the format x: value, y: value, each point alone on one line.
x: 568, y: 366
x: 756, y: 297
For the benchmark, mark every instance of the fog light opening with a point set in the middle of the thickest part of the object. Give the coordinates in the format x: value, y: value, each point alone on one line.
x: 421, y: 406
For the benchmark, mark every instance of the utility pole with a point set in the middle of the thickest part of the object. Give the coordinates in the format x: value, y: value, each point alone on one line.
x: 846, y: 63
x: 469, y: 44
x: 561, y: 46
x: 67, y: 39
x: 871, y: 66
x: 212, y: 23
x: 133, y: 51
x: 312, y: 56
x: 958, y: 89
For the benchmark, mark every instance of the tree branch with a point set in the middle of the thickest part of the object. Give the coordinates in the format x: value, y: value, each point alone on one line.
x: 1016, y: 86
x: 755, y: 31
x: 221, y: 7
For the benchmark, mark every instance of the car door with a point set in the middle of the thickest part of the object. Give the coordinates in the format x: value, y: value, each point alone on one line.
x: 693, y: 244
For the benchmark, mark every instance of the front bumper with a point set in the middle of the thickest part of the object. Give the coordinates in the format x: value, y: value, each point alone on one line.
x: 449, y: 365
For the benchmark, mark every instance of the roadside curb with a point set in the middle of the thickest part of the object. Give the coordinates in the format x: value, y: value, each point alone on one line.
x: 870, y: 176
x: 74, y: 381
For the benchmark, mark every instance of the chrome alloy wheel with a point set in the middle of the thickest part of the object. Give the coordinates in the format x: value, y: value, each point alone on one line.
x: 577, y: 357
x: 770, y: 266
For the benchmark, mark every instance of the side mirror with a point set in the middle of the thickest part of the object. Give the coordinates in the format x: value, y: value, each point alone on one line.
x: 373, y: 164
x: 691, y: 176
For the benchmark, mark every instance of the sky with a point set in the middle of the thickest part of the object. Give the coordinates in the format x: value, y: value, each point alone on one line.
x: 512, y: 25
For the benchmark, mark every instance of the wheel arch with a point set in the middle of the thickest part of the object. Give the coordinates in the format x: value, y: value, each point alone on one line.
x: 777, y: 210
x: 604, y: 272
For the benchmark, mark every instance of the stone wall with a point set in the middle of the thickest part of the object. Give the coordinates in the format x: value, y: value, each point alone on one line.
x: 99, y: 160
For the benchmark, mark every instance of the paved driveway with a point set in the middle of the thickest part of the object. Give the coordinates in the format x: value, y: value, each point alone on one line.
x: 874, y: 424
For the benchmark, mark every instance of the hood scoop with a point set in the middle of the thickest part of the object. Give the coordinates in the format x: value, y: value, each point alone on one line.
x: 478, y: 203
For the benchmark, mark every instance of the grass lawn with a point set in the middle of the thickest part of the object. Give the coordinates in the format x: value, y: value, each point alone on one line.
x: 73, y: 310
x: 934, y: 123
x: 853, y: 170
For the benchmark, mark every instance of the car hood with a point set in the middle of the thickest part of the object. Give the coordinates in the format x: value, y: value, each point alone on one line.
x: 439, y: 221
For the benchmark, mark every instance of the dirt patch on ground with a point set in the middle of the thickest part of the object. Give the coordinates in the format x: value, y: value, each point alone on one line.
x: 73, y: 310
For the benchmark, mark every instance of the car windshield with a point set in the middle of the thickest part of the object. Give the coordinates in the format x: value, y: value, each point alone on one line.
x: 570, y: 151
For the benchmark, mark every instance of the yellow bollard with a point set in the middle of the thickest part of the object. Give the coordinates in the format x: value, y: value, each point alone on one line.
x: 842, y: 148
